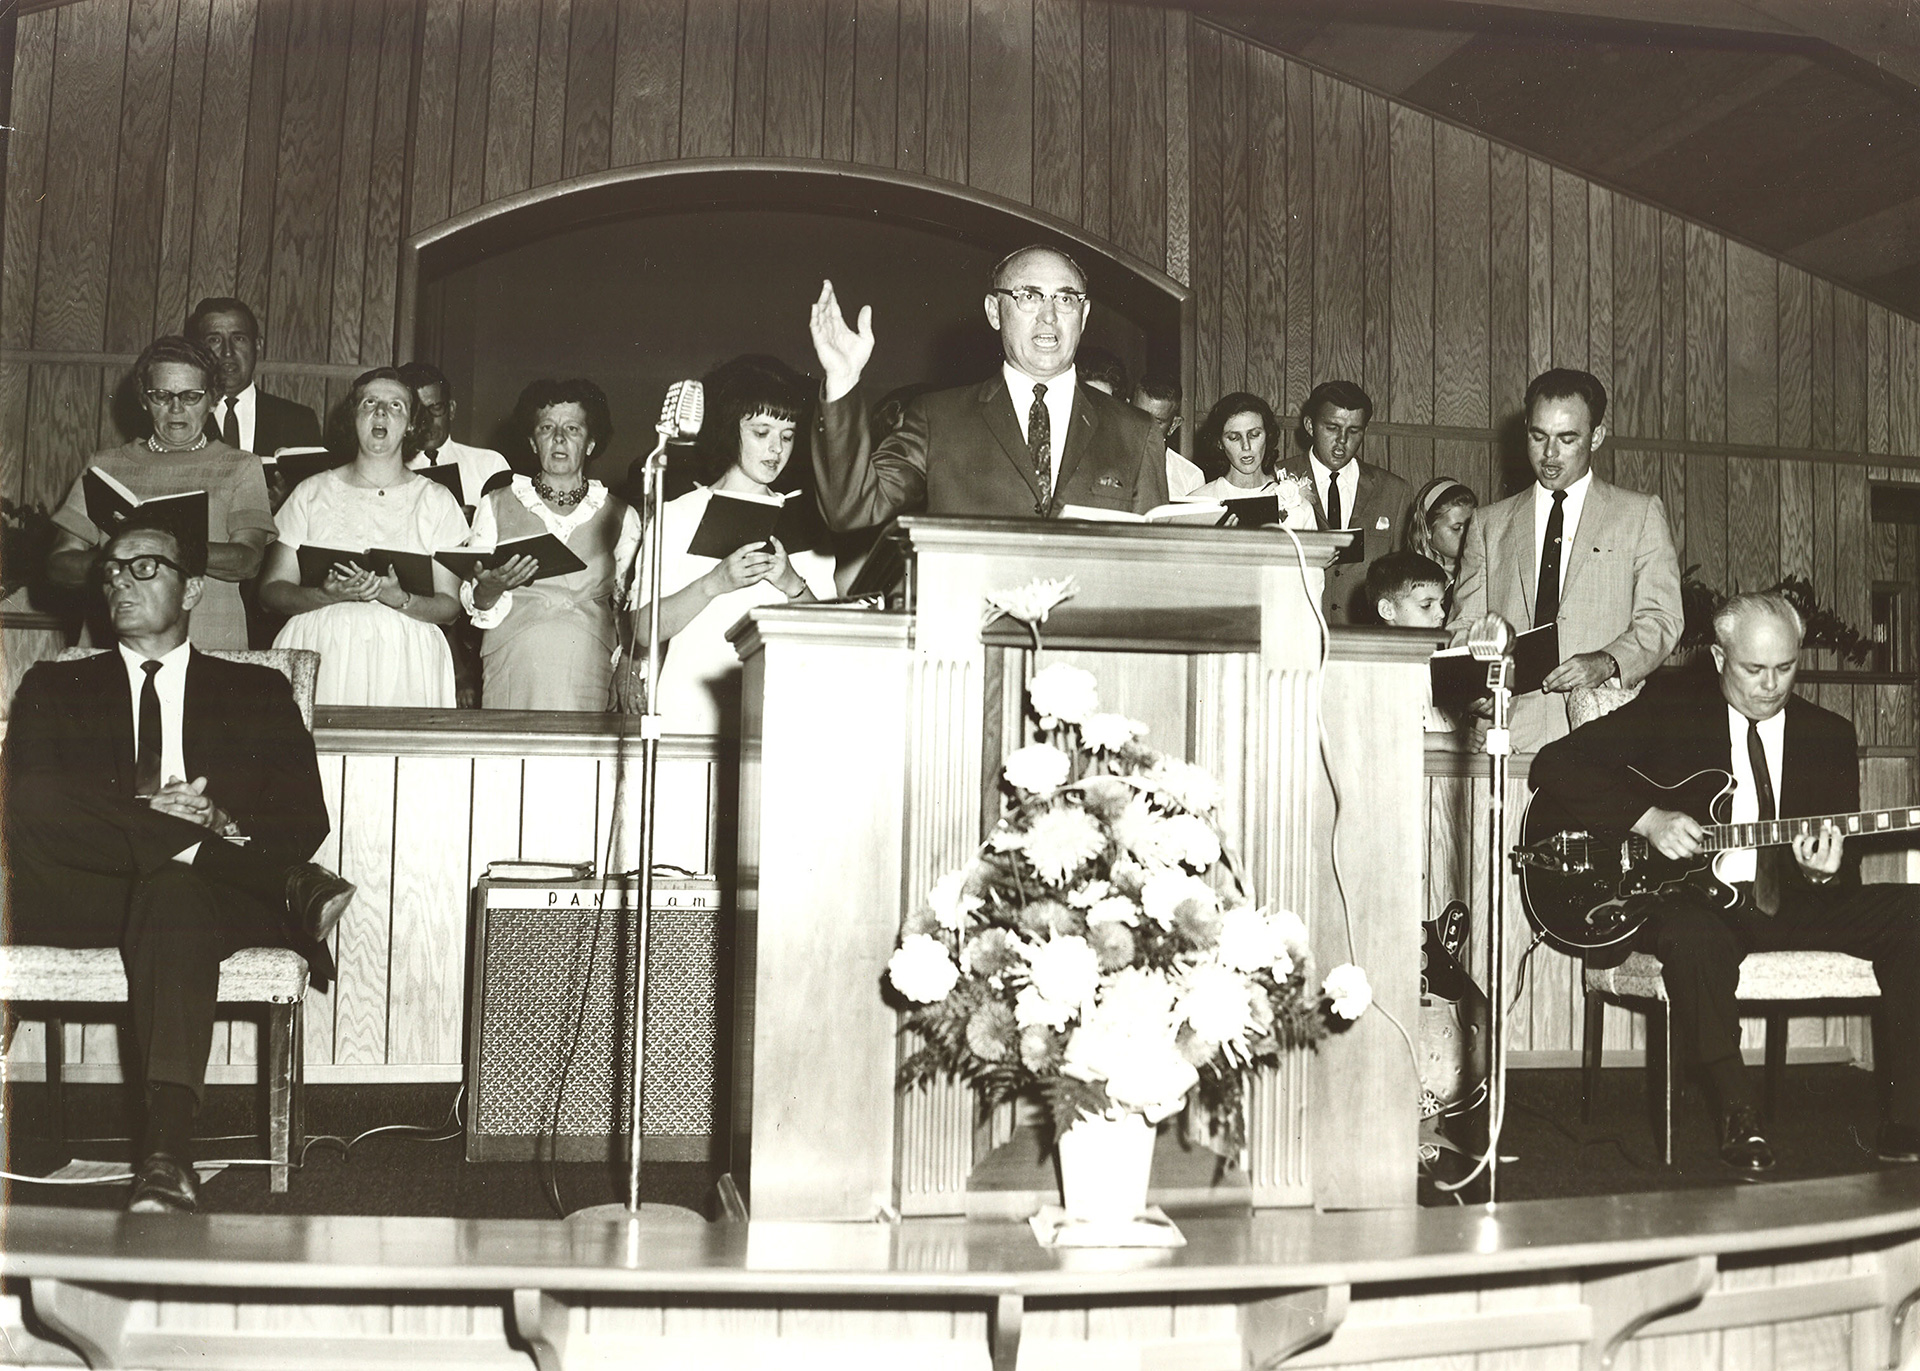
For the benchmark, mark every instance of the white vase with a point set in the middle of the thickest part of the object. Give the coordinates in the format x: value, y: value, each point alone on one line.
x: 1104, y: 1166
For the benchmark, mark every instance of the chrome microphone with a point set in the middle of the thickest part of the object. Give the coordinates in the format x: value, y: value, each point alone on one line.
x: 1490, y: 638
x: 683, y: 412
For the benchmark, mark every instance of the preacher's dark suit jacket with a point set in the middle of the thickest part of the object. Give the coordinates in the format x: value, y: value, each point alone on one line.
x: 72, y: 725
x: 277, y: 423
x: 1672, y: 730
x: 1379, y: 516
x: 960, y: 452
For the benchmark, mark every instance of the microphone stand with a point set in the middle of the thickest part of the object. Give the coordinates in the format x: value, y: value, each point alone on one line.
x: 1499, y: 748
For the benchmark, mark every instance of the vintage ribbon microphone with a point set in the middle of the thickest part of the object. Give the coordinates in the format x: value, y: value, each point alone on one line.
x: 1490, y: 640
x: 680, y: 419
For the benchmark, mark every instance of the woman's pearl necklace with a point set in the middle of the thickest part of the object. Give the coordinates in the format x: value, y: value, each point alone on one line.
x: 564, y: 499
x: 153, y: 445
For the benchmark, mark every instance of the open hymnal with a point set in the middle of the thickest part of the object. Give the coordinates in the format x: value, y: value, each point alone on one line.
x: 413, y: 569
x: 733, y: 520
x: 109, y: 502
x: 555, y: 557
x: 1203, y: 512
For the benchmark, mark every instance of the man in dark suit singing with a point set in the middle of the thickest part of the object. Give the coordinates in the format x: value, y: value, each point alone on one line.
x: 1023, y: 444
x: 1349, y: 493
x: 245, y: 416
x: 166, y: 803
x: 1788, y: 759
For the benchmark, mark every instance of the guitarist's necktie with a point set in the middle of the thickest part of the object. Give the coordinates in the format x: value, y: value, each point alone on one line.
x: 1040, y: 444
x: 1766, y: 860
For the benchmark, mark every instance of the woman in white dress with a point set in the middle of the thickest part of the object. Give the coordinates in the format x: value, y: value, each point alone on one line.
x: 705, y: 596
x: 379, y: 643
x: 1240, y: 434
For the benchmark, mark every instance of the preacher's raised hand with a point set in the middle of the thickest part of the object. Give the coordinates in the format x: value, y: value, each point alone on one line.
x: 843, y: 351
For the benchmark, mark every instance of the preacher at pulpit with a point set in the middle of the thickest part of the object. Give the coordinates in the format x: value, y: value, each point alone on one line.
x: 1023, y: 443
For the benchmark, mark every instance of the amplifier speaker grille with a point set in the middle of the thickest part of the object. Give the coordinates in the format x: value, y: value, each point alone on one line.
x: 530, y: 967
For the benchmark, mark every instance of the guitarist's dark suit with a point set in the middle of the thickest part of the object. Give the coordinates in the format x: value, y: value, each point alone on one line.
x: 1674, y: 730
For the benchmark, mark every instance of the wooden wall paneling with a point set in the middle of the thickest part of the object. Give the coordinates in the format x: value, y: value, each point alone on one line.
x: 1821, y: 361
x: 139, y: 197
x: 360, y: 111
x: 1380, y: 200
x: 1797, y: 518
x: 1339, y: 229
x: 876, y: 86
x: 1600, y: 352
x: 706, y: 110
x: 1852, y: 593
x: 1266, y: 224
x: 558, y: 805
x: 1209, y: 191
x: 321, y: 1006
x: 365, y: 946
x: 1462, y: 225
x: 1096, y: 115
x: 1571, y: 283
x: 1795, y: 358
x: 474, y: 98
x: 1508, y: 297
x: 796, y: 78
x: 1876, y: 378
x: 513, y: 73
x: 1235, y: 322
x: 1752, y: 347
x: 386, y: 176
x: 260, y: 189
x: 1000, y: 130
x: 63, y: 423
x: 1635, y: 405
x: 1849, y: 372
x: 1900, y: 387
x: 426, y: 982
x: 300, y: 300
x: 497, y: 806
x: 1409, y: 400
x: 1301, y: 263
x: 1706, y: 296
x: 593, y: 36
x: 82, y: 120
x: 910, y: 148
x: 750, y: 79
x: 32, y: 98
x: 436, y: 105
x: 1137, y: 52
x: 1753, y: 522
x: 1539, y: 267
x: 946, y: 77
x: 1179, y: 146
x: 107, y: 434
x: 14, y: 379
x: 1673, y: 327
x: 550, y: 92
x: 836, y: 128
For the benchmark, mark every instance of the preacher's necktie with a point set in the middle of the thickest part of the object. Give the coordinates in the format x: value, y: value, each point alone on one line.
x: 230, y: 426
x: 1766, y: 860
x: 1040, y: 445
x: 1546, y: 601
x: 146, y: 755
x: 1336, y: 514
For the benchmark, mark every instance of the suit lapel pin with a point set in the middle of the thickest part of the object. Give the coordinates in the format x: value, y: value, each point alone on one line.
x: 1380, y: 524
x: 1112, y: 481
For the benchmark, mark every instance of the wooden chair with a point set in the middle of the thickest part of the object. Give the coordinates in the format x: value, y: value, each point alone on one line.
x: 1785, y: 983
x: 47, y: 984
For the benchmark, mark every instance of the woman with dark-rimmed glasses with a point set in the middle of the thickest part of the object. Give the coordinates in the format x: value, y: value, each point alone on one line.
x: 175, y: 382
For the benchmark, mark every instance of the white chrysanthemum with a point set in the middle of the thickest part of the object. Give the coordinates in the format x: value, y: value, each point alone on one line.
x: 1030, y: 603
x: 1063, y: 694
x: 1282, y: 966
x: 1110, y: 732
x: 1060, y: 841
x: 1088, y: 895
x: 1064, y: 970
x: 1191, y: 787
x: 1143, y: 833
x: 1037, y: 768
x: 1347, y: 989
x: 1166, y: 891
x: 1115, y: 909
x: 1248, y: 940
x: 1217, y: 1002
x: 1295, y: 507
x: 1030, y: 1007
x: 1140, y: 1064
x: 1192, y: 840
x: 922, y: 970
x: 1140, y: 999
x: 950, y: 902
x: 1291, y: 930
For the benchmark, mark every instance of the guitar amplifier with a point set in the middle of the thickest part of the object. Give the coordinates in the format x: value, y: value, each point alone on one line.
x: 550, y: 1015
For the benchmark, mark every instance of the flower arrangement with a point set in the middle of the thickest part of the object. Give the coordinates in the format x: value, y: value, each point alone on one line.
x: 1101, y: 948
x: 1296, y: 501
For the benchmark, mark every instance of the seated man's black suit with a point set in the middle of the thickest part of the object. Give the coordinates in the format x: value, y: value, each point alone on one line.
x: 1672, y: 731
x: 88, y: 865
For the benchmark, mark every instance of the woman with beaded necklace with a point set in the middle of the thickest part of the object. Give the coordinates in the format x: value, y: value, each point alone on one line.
x: 379, y: 643
x: 550, y: 643
x: 174, y: 378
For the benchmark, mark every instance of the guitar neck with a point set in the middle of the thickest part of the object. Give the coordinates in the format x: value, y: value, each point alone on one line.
x: 1773, y: 832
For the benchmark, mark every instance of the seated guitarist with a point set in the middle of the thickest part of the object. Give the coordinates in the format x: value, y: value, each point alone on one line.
x: 1806, y: 897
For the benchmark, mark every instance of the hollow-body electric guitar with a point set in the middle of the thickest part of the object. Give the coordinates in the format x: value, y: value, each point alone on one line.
x: 1584, y: 889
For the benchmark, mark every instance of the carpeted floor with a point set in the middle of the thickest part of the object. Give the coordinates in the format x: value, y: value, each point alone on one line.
x: 1825, y: 1128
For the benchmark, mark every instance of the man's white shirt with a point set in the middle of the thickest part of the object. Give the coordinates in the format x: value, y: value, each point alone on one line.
x: 1569, y: 525
x: 170, y: 684
x: 1740, y: 863
x: 1058, y: 400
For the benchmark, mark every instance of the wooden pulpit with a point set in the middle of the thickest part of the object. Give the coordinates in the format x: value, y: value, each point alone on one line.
x: 870, y: 748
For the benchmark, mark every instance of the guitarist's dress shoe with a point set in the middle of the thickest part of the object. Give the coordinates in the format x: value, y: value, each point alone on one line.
x: 1898, y: 1142
x: 164, y: 1184
x: 1741, y: 1145
x: 316, y: 898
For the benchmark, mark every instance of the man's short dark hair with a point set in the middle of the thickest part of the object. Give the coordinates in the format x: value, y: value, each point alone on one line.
x: 190, y: 542
x: 1568, y: 383
x: 1000, y: 267
x: 222, y: 304
x: 1337, y: 395
x: 419, y: 374
x: 1156, y: 387
x: 1097, y: 364
x: 1395, y: 574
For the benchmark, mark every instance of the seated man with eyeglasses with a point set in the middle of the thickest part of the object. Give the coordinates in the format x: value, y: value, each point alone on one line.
x: 166, y: 803
x: 1024, y: 443
x: 177, y: 382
